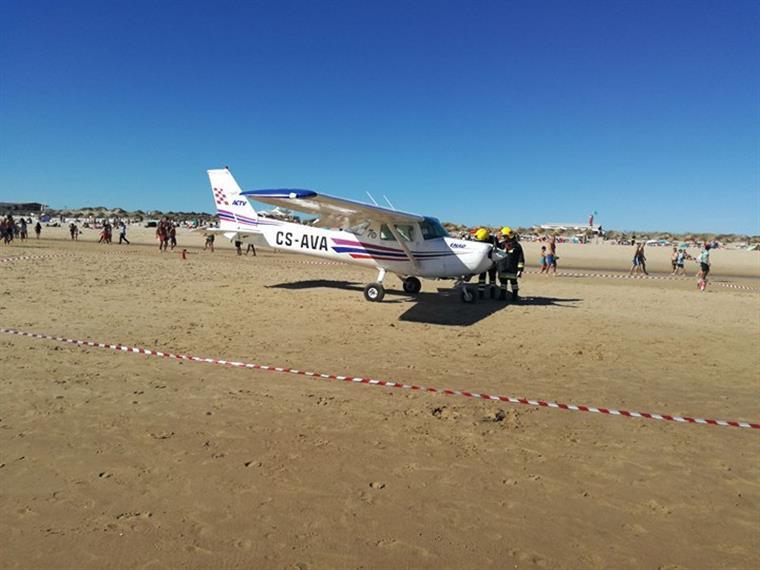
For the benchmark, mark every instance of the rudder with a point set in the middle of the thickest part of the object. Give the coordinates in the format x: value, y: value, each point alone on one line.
x: 233, y: 208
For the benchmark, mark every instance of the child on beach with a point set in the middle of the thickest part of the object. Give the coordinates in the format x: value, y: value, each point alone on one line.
x: 680, y: 260
x: 704, y: 267
x: 544, y: 266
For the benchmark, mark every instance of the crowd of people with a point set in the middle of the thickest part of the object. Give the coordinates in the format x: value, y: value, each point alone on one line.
x: 11, y: 229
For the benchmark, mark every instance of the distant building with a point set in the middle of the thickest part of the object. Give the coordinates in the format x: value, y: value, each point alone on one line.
x: 21, y: 208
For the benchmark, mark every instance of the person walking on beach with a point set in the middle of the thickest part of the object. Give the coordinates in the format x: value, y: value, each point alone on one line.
x: 172, y: 235
x: 162, y: 235
x: 674, y: 259
x: 704, y: 267
x: 544, y: 266
x: 252, y: 248
x: 643, y: 259
x: 239, y: 247
x: 123, y: 233
x: 635, y: 261
x: 639, y: 261
x: 551, y: 256
x: 209, y: 243
x: 22, y: 232
x: 680, y: 261
x: 104, y: 233
x: 38, y: 229
x: 5, y: 230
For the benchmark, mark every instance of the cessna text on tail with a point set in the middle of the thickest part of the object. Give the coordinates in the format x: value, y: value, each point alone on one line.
x: 407, y: 245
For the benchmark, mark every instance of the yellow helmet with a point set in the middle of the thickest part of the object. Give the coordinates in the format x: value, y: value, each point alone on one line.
x: 481, y: 234
x: 506, y: 231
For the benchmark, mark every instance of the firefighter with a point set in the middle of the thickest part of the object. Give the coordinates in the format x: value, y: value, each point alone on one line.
x: 485, y: 236
x: 512, y: 265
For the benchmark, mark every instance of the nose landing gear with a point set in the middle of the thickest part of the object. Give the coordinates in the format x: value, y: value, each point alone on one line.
x: 467, y: 293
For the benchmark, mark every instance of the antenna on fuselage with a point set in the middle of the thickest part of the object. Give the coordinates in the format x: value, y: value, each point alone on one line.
x: 389, y: 202
x: 371, y: 198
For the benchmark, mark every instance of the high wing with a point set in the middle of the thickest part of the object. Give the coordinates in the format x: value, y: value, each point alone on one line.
x: 332, y: 211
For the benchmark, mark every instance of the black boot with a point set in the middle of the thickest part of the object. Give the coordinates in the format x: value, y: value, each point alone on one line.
x: 481, y: 293
x: 493, y: 292
x: 503, y: 295
x: 515, y: 296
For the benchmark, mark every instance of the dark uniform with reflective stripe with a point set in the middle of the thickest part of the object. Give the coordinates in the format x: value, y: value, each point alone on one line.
x: 491, y: 272
x: 511, y: 267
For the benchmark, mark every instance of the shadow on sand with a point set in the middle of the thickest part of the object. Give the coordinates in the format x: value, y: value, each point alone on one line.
x: 442, y: 308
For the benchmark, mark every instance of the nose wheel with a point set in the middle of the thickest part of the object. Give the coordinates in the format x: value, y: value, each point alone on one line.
x: 467, y: 294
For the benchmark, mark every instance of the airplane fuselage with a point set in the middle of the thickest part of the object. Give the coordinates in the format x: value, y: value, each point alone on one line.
x: 370, y: 246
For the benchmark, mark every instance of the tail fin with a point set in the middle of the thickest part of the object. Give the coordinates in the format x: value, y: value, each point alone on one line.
x: 234, y: 209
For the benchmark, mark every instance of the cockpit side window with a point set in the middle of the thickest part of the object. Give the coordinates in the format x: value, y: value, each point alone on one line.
x: 432, y: 228
x: 405, y: 231
x: 385, y: 233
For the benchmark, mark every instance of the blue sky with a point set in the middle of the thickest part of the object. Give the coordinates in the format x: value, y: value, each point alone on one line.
x: 479, y: 112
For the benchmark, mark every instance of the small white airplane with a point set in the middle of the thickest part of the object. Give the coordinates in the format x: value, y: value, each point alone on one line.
x: 407, y: 245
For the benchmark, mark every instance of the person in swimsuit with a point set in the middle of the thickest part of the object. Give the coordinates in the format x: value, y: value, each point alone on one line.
x: 704, y: 267
x: 636, y: 260
x: 551, y: 257
x: 680, y: 260
x: 544, y: 266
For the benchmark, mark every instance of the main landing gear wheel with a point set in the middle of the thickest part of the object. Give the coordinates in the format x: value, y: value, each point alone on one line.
x: 412, y: 285
x: 468, y: 294
x: 374, y: 292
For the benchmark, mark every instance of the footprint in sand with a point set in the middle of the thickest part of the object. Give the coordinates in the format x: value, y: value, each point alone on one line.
x: 162, y: 435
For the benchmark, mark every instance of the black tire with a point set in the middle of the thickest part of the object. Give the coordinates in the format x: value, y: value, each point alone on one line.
x: 412, y: 285
x: 374, y: 292
x: 468, y: 294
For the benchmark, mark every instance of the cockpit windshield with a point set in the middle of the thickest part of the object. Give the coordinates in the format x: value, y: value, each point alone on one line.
x: 432, y: 228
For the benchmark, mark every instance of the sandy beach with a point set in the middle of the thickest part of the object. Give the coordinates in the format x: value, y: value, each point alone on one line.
x: 121, y: 460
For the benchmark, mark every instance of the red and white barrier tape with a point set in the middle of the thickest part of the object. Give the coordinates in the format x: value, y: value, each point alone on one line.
x: 389, y: 384
x: 627, y: 276
x: 29, y: 257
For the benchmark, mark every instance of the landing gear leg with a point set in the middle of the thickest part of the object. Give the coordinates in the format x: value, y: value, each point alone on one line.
x: 375, y: 292
x: 467, y: 293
